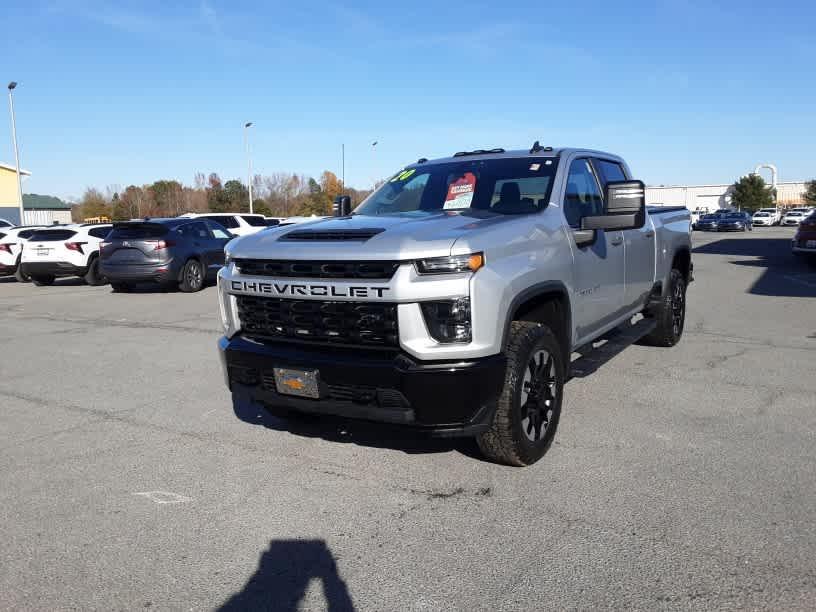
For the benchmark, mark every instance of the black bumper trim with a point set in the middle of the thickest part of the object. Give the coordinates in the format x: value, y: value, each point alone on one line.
x: 446, y: 398
x: 53, y: 268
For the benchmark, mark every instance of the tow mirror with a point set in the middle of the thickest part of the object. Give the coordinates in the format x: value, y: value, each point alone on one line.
x: 625, y: 207
x: 341, y: 206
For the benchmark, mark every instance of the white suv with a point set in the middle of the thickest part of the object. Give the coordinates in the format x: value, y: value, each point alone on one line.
x: 239, y: 224
x: 11, y: 246
x: 65, y: 250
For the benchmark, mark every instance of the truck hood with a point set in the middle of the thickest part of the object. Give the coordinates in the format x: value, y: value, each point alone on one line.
x: 400, y: 237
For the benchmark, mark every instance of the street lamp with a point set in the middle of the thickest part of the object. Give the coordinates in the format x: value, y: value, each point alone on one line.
x: 248, y: 125
x: 11, y: 87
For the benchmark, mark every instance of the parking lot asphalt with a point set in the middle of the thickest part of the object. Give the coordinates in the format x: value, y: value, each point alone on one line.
x: 680, y: 478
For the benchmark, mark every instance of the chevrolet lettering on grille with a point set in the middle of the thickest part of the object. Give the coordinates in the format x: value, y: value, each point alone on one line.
x: 315, y: 290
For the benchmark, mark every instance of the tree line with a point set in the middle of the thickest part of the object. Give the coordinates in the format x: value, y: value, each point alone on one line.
x: 280, y: 194
x: 751, y: 193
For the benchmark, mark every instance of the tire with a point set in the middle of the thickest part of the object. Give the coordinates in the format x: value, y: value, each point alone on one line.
x: 192, y: 276
x: 20, y: 275
x: 517, y: 437
x: 121, y: 287
x: 93, y: 277
x: 670, y: 315
x: 42, y: 281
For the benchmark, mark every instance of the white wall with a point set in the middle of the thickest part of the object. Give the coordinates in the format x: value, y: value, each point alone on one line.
x: 716, y: 196
x: 46, y: 217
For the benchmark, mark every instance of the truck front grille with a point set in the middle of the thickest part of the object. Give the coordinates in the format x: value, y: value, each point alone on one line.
x: 352, y: 323
x: 381, y: 270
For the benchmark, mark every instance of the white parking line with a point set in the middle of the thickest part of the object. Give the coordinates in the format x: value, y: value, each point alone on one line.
x: 165, y: 497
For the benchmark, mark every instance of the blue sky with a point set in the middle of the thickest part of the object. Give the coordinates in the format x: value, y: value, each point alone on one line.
x: 113, y: 93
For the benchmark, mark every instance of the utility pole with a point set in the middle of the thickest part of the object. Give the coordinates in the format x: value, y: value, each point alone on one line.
x: 343, y: 167
x: 11, y: 87
x: 248, y: 125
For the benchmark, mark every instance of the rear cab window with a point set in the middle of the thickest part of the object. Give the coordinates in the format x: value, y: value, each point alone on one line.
x: 52, y: 235
x: 254, y: 220
x: 99, y: 232
x: 137, y: 231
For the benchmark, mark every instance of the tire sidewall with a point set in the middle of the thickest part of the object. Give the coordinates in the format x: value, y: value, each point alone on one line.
x: 676, y: 278
x: 540, y: 338
x: 184, y: 285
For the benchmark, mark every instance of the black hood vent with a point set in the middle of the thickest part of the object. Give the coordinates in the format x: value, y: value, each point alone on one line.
x: 359, y: 235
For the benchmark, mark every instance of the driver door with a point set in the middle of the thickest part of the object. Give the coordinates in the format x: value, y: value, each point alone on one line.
x: 598, y: 268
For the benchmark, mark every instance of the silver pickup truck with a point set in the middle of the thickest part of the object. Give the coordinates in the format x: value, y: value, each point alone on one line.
x: 452, y: 298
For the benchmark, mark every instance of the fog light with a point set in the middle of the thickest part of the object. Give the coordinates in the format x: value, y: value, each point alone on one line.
x: 448, y: 321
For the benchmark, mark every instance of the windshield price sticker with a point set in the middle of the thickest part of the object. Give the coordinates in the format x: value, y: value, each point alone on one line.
x: 460, y: 192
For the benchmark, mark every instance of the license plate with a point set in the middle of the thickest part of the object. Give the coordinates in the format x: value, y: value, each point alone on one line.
x: 42, y: 252
x: 302, y: 383
x: 810, y: 244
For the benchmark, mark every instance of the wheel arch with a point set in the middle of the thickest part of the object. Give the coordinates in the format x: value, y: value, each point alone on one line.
x: 548, y: 303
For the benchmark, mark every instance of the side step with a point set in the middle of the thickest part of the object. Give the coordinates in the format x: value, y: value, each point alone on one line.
x: 597, y: 353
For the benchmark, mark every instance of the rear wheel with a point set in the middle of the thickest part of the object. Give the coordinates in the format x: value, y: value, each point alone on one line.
x: 42, y: 281
x: 670, y: 315
x: 93, y: 277
x: 20, y: 275
x: 192, y: 276
x: 528, y: 410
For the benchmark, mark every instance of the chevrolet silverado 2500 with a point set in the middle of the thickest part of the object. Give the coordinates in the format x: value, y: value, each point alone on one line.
x: 451, y: 299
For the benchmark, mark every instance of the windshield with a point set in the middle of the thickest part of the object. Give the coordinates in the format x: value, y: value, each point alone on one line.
x: 762, y: 214
x: 505, y: 186
x: 734, y: 216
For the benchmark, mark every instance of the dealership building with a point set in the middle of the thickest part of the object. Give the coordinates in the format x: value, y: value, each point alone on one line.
x: 711, y: 197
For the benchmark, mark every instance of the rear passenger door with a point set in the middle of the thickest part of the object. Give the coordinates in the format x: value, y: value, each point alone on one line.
x: 639, y: 244
x: 199, y: 240
x: 220, y: 239
x: 598, y: 278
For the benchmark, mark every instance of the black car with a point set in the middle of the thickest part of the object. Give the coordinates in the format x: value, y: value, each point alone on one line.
x: 735, y: 222
x: 708, y: 223
x: 183, y: 252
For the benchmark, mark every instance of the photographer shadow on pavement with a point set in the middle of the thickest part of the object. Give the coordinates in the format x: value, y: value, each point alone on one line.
x: 350, y: 431
x: 283, y: 576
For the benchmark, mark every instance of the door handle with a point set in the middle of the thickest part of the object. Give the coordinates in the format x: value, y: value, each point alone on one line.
x: 648, y: 235
x: 617, y: 241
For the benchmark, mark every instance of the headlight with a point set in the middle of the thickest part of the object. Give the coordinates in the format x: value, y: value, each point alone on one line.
x: 448, y: 321
x: 450, y: 265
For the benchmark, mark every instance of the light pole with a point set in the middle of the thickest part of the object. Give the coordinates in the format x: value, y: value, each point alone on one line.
x: 11, y: 87
x: 248, y: 125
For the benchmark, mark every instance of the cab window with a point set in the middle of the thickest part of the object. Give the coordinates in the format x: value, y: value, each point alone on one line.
x: 583, y: 196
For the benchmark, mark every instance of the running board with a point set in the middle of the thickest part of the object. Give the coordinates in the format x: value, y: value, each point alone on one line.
x: 594, y: 355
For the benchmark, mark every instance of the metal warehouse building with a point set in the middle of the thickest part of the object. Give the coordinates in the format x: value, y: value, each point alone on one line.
x: 789, y: 194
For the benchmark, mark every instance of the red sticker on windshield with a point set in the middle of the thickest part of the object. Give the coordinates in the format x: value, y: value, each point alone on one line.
x: 460, y: 192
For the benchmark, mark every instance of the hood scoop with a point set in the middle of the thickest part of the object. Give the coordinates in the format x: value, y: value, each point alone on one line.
x: 346, y: 235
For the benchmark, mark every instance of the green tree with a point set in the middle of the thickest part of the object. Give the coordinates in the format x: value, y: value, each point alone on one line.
x: 168, y: 197
x: 216, y: 197
x: 260, y: 207
x: 94, y: 204
x: 119, y: 209
x: 237, y: 196
x: 751, y: 193
x: 316, y: 202
x: 810, y: 192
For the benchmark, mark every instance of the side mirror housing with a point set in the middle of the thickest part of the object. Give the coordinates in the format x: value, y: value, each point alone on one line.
x: 625, y: 207
x: 341, y: 206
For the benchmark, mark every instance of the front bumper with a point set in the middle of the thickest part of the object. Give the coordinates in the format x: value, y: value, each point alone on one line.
x: 444, y: 398
x: 52, y: 268
x: 152, y: 272
x: 731, y: 227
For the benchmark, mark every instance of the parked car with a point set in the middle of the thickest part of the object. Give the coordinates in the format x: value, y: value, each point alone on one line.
x: 12, y: 240
x: 804, y: 242
x: 708, y: 223
x: 794, y: 216
x: 238, y: 224
x: 775, y: 213
x: 6, y: 223
x: 762, y: 217
x: 452, y: 298
x: 735, y: 222
x: 64, y: 250
x: 184, y: 252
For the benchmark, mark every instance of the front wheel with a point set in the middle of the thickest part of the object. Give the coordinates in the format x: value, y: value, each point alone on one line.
x: 670, y: 315
x: 192, y: 276
x: 528, y: 410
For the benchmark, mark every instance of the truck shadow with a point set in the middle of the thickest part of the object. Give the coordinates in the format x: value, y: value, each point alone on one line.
x: 350, y: 431
x: 784, y: 275
x: 283, y: 575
